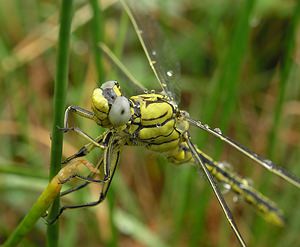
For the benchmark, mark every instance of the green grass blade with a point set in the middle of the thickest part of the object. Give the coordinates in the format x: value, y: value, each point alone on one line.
x: 229, y: 81
x: 135, y: 228
x: 60, y: 90
x: 37, y: 210
x: 287, y: 64
x: 97, y: 36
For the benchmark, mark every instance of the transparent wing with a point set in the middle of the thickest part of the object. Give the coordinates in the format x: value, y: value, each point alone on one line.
x: 201, y: 166
x: 134, y: 84
x: 268, y: 164
x: 161, y: 59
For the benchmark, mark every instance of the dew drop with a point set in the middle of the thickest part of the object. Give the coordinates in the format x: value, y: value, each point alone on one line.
x: 154, y: 53
x: 152, y: 91
x: 146, y: 91
x: 225, y: 188
x: 269, y: 162
x: 246, y: 182
x: 170, y: 73
x: 158, y: 125
x: 218, y: 131
x: 225, y: 165
x: 206, y: 126
x: 236, y: 198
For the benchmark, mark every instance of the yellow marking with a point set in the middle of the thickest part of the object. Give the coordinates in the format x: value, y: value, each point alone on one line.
x: 99, y: 104
x: 269, y: 209
x: 153, y: 109
x: 117, y: 90
x: 160, y: 139
x: 164, y: 147
x: 179, y: 155
x: 147, y: 133
x: 133, y: 128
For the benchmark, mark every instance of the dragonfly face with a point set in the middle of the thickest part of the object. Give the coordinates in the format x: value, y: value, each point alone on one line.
x: 109, y: 106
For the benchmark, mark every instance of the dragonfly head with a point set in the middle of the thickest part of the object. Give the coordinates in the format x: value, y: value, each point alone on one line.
x: 110, y: 107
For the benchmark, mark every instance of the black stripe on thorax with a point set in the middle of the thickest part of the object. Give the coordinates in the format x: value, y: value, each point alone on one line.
x: 154, y: 125
x: 153, y: 138
x: 160, y: 143
x: 156, y: 118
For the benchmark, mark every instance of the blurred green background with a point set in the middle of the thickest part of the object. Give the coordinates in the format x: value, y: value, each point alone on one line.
x: 239, y: 72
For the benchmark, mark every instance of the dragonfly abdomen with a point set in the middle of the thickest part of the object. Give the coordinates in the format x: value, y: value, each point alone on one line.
x: 241, y: 187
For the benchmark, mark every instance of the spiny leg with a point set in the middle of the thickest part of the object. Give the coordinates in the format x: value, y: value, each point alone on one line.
x: 86, y: 149
x: 78, y: 110
x: 101, y: 198
x: 111, y: 157
x: 81, y: 186
x: 81, y: 112
x: 104, y: 140
x: 268, y: 164
x: 62, y: 176
x: 216, y: 190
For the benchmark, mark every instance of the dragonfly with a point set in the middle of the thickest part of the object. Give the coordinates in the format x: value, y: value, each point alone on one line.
x: 155, y: 121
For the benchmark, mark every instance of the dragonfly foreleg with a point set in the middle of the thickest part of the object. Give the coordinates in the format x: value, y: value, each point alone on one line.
x: 86, y: 149
x: 78, y: 110
x: 81, y: 112
x: 103, y: 140
x: 87, y: 181
x: 101, y: 197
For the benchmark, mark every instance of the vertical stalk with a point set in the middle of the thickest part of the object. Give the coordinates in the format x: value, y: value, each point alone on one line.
x: 60, y: 89
x: 97, y: 37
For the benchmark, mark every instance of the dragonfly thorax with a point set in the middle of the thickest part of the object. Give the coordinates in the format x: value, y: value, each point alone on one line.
x: 109, y: 106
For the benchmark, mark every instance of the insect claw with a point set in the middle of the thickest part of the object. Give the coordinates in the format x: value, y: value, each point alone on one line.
x: 63, y: 129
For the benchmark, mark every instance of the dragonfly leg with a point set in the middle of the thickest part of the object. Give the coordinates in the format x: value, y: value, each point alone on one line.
x: 86, y: 149
x: 82, y: 152
x: 81, y: 112
x: 110, y: 161
x: 101, y: 198
x: 78, y: 110
x: 87, y: 181
x: 84, y: 135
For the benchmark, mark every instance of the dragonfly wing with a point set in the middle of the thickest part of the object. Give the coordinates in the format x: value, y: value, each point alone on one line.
x: 134, y: 84
x: 160, y: 57
x: 202, y: 167
x: 268, y: 164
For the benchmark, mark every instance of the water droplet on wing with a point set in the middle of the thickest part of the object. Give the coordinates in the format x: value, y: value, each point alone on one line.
x: 170, y: 73
x: 206, y: 126
x: 218, y: 131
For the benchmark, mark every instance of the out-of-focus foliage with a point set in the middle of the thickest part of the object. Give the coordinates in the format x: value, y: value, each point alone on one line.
x: 153, y: 203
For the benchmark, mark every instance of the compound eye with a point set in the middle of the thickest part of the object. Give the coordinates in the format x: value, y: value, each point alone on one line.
x: 119, y: 113
x: 109, y: 85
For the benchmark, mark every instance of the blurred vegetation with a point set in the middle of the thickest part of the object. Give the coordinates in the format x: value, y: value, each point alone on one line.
x: 239, y: 71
